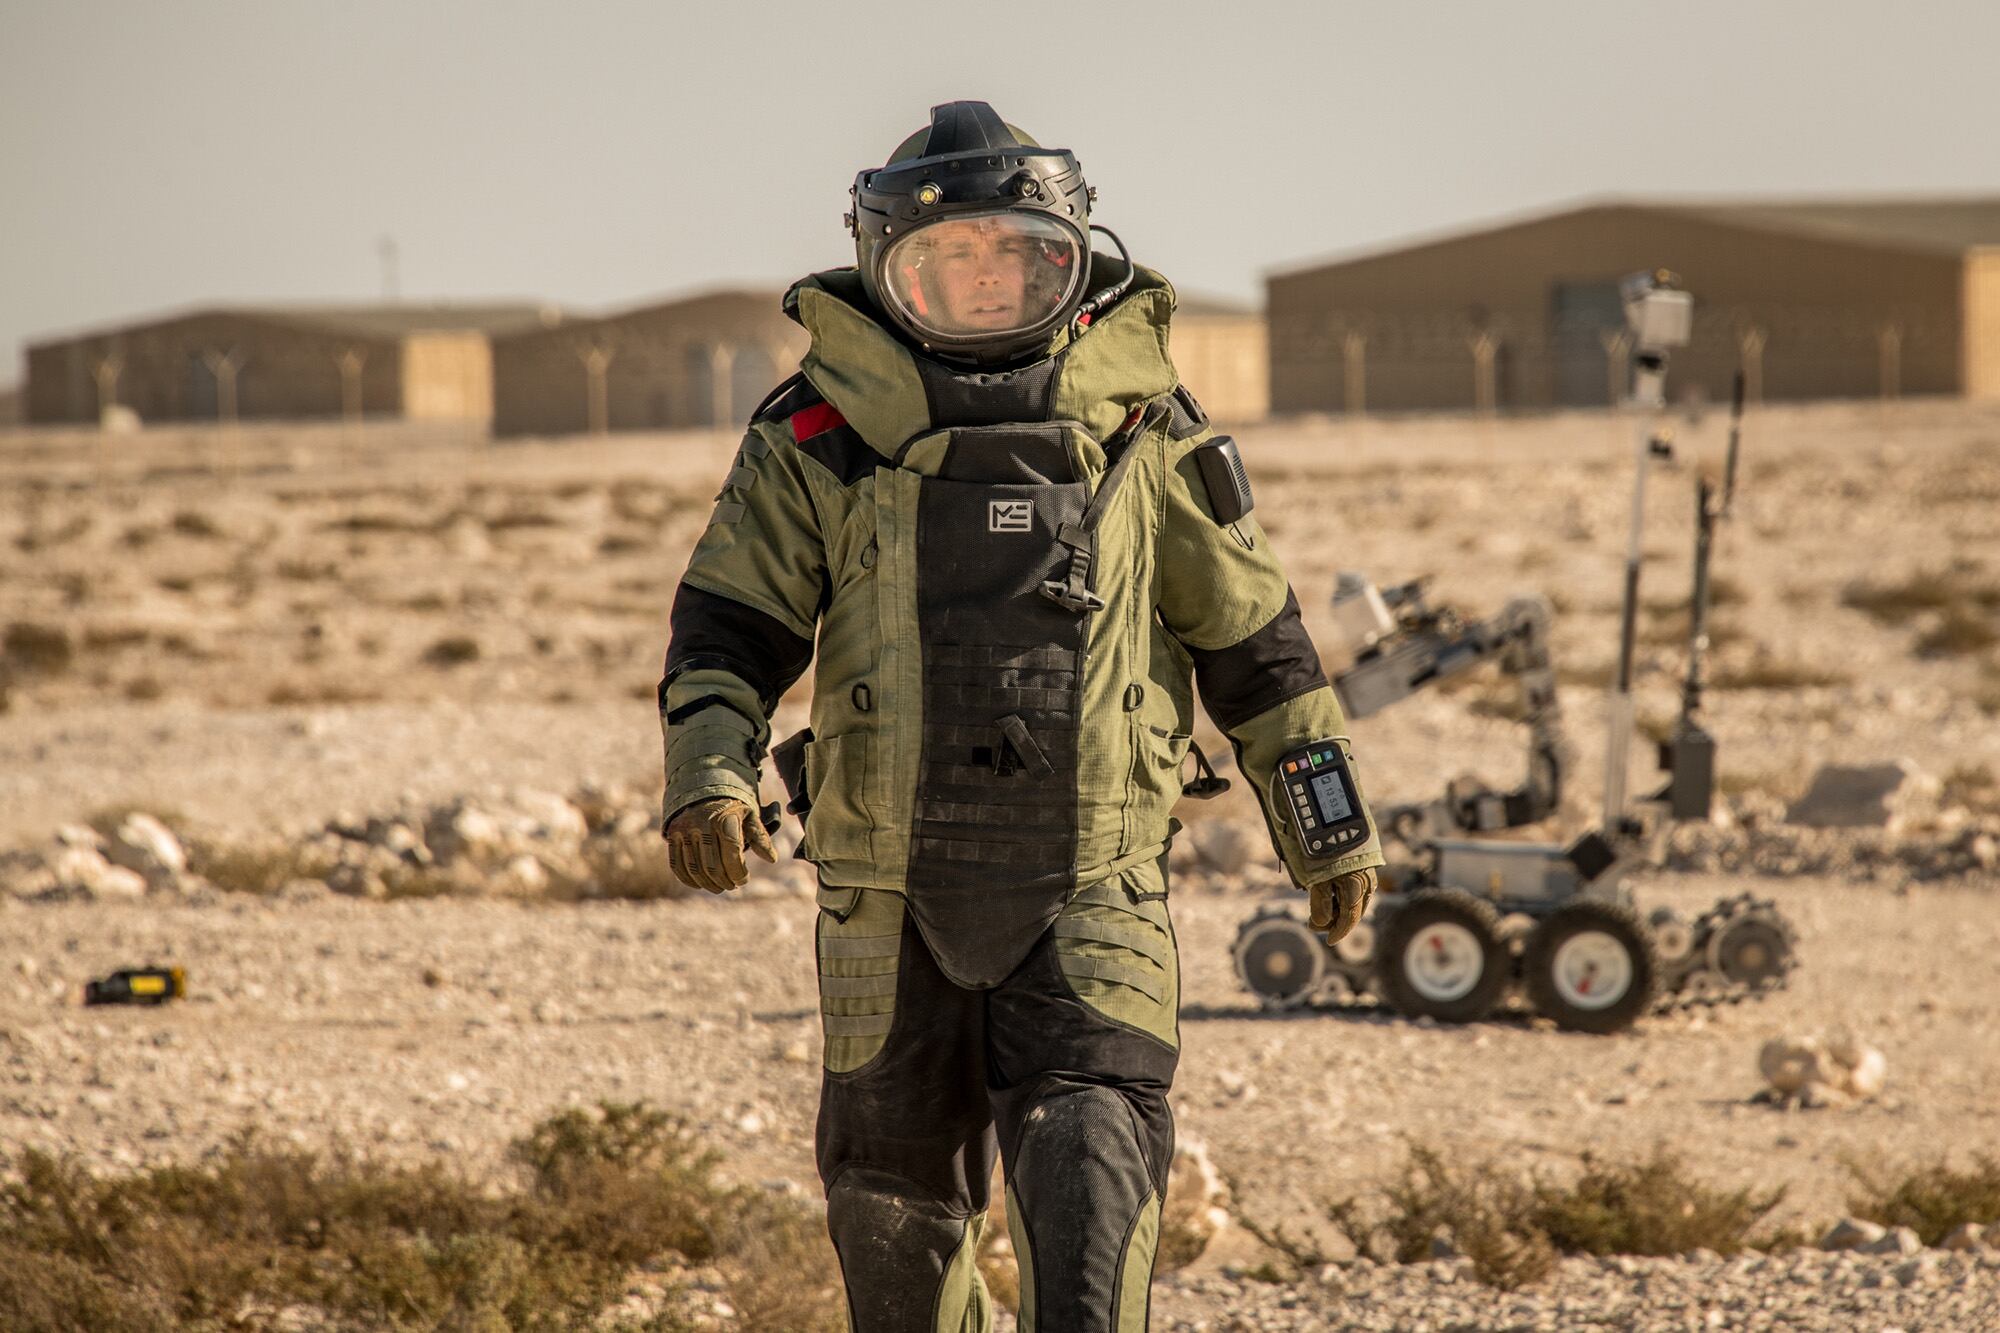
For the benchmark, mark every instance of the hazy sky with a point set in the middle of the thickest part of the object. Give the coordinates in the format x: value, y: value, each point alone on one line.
x: 161, y: 153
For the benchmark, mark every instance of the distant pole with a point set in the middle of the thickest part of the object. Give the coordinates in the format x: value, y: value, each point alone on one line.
x: 596, y: 365
x: 106, y: 372
x: 224, y: 365
x: 1889, y: 344
x: 385, y: 247
x: 351, y: 361
x: 1617, y: 345
x: 1750, y: 344
x: 1485, y: 353
x: 721, y: 364
x: 1354, y: 356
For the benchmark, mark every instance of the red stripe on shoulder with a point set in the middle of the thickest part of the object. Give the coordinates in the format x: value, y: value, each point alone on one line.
x: 815, y: 420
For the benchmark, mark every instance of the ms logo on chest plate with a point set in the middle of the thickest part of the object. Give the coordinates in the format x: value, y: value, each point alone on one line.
x: 1010, y: 515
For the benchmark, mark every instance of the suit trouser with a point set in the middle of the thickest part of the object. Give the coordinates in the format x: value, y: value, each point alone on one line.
x: 1062, y: 1070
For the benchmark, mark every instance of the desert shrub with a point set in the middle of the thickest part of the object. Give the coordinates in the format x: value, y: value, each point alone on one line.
x: 1959, y: 630
x: 634, y: 868
x: 453, y: 650
x: 362, y: 1243
x: 1768, y: 671
x: 32, y: 647
x: 1944, y: 590
x: 1932, y: 1199
x: 1513, y: 1225
x: 194, y: 523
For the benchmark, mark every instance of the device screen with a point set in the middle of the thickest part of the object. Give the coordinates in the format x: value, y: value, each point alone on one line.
x: 1331, y: 797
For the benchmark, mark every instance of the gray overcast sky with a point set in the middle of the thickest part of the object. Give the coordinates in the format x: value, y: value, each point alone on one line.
x: 598, y: 154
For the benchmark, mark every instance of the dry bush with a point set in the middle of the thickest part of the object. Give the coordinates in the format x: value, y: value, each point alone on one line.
x: 633, y: 868
x: 522, y: 518
x: 1976, y: 787
x: 1932, y: 1200
x: 194, y: 523
x: 1943, y: 590
x: 376, y: 522
x: 36, y: 648
x: 363, y: 1244
x: 288, y: 693
x: 1959, y: 631
x: 1768, y: 671
x: 251, y: 867
x: 1513, y: 1226
x: 452, y: 650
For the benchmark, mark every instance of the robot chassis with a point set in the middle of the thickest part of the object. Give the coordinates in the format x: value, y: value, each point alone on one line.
x: 1464, y: 920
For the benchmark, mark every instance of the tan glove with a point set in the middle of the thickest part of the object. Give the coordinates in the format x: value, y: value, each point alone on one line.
x: 1342, y: 901
x: 705, y: 843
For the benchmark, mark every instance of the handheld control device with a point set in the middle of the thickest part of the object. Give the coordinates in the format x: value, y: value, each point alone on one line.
x: 1319, y: 791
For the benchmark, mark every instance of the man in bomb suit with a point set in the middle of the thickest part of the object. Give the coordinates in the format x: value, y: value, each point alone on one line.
x: 1013, y: 537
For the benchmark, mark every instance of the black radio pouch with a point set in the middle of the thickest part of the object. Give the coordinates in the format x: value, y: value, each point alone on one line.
x: 788, y: 756
x: 1222, y: 475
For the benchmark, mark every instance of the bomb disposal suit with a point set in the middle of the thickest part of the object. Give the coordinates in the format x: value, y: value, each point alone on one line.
x: 983, y: 502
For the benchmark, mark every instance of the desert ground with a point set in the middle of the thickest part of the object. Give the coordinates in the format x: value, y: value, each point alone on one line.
x: 276, y: 639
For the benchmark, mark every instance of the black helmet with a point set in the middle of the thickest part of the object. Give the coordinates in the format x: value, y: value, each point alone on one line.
x: 974, y: 239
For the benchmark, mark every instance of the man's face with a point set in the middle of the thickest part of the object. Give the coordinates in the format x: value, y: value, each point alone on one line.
x: 981, y: 271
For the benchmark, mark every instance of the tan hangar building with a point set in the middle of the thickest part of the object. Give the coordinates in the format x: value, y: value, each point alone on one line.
x: 415, y: 362
x: 707, y: 361
x: 1825, y: 299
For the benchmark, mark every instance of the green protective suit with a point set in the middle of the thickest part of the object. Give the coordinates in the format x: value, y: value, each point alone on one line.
x: 1010, y: 582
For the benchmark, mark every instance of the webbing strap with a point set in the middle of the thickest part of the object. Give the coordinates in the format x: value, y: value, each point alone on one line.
x: 848, y: 988
x: 1016, y: 732
x: 857, y: 1025
x: 1072, y: 591
x: 1107, y: 892
x: 1139, y: 941
x: 861, y: 946
x: 1123, y: 974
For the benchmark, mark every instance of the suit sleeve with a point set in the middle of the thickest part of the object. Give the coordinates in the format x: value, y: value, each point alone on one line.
x: 1224, y: 596
x: 743, y: 622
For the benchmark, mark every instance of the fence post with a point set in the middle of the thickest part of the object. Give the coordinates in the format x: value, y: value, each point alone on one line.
x: 1617, y: 345
x: 596, y: 362
x: 1889, y: 342
x: 1750, y: 342
x: 351, y: 361
x: 1485, y: 352
x: 1354, y: 356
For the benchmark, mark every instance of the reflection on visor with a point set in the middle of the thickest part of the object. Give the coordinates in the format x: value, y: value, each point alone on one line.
x: 989, y: 274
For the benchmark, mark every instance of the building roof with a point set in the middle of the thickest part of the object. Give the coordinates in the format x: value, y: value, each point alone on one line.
x: 1197, y: 304
x: 1949, y: 225
x: 397, y: 320
x: 1946, y: 225
x: 363, y: 321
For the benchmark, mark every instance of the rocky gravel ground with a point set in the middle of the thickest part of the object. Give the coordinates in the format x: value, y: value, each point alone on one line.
x: 292, y: 641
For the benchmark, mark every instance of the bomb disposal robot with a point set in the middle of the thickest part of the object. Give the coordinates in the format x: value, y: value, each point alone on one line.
x: 1465, y: 918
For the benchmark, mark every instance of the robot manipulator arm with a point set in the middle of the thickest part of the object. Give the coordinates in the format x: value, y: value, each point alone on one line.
x: 1399, y: 646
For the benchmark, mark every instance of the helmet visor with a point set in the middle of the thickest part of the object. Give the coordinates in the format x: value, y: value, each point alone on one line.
x: 972, y: 277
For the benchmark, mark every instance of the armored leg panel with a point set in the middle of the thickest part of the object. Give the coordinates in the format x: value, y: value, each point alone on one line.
x: 1083, y: 1053
x: 905, y: 1139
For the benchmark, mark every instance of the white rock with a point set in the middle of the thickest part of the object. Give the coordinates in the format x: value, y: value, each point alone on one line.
x: 1966, y: 1237
x: 144, y: 845
x: 1196, y: 1198
x: 1852, y: 1233
x: 1902, y: 1240
x: 83, y: 873
x: 523, y: 874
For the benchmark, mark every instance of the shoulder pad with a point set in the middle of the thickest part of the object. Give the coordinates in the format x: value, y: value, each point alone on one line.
x: 793, y: 396
x: 1187, y: 418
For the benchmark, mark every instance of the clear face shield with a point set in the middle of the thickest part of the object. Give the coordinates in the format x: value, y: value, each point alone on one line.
x: 971, y: 277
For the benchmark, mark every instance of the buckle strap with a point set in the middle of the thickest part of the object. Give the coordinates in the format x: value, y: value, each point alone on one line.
x: 1016, y: 733
x: 1072, y: 591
